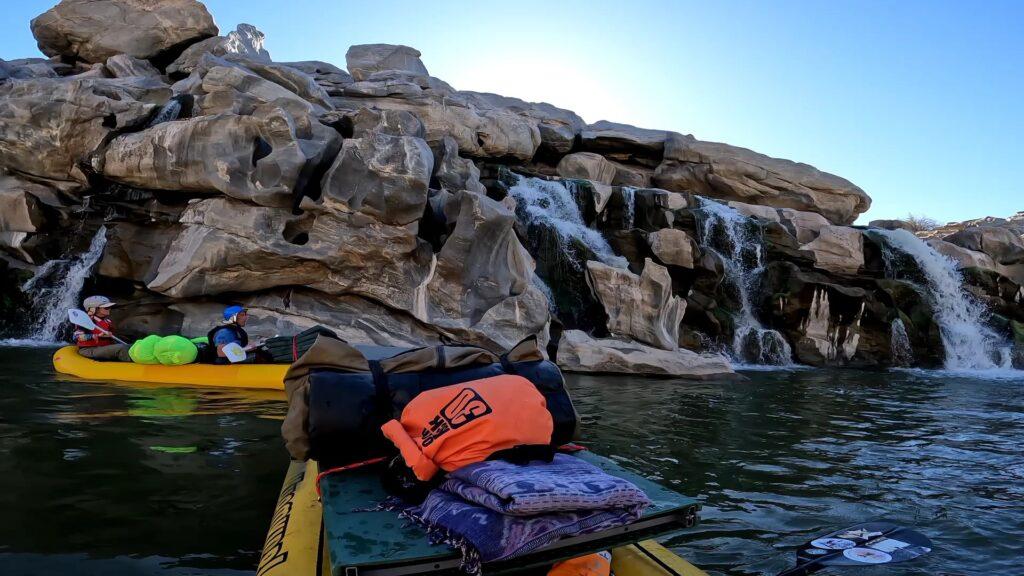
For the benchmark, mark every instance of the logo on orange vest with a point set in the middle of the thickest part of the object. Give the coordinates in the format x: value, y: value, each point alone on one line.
x: 467, y: 406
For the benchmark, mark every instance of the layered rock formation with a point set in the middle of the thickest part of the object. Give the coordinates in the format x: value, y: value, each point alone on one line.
x: 384, y: 203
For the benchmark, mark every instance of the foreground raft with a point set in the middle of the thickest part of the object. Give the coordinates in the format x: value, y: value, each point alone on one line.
x: 258, y: 376
x: 341, y: 535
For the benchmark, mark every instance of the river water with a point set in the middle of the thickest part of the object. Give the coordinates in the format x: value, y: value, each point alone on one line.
x: 118, y: 479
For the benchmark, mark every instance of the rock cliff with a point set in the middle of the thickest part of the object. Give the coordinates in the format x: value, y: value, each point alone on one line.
x: 384, y: 203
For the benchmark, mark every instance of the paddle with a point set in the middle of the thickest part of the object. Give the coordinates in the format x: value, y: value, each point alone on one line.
x: 80, y: 318
x: 860, y: 545
x: 233, y: 352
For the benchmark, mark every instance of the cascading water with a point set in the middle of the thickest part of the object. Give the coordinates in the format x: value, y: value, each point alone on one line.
x: 557, y: 235
x: 551, y: 204
x: 54, y: 295
x: 730, y: 235
x: 969, y: 344
x: 629, y: 206
x: 902, y: 353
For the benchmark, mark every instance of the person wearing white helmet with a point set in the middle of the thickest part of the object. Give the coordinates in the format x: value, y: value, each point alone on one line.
x: 98, y: 344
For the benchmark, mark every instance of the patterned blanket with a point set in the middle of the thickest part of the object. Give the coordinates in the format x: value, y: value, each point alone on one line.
x: 496, y: 511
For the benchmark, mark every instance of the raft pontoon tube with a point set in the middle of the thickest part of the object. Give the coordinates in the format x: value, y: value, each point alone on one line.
x: 264, y: 376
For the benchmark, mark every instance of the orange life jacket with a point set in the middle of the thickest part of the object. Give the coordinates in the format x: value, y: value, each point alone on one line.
x: 598, y: 564
x: 450, y: 427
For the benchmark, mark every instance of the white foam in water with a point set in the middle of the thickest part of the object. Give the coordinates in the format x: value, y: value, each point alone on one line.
x: 551, y: 203
x: 969, y: 344
x: 55, y: 300
x: 744, y: 262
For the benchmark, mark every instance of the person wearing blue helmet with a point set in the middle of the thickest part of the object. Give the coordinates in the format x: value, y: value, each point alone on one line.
x: 230, y: 331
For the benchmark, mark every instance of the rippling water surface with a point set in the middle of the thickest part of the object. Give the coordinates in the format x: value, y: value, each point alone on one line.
x: 117, y: 479
x: 791, y: 455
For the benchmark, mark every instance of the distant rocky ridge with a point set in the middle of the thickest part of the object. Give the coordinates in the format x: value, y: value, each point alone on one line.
x: 376, y: 200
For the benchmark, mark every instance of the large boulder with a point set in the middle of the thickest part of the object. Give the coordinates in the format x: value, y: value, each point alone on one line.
x: 1004, y: 245
x: 479, y: 132
x: 672, y: 247
x: 49, y: 127
x: 290, y: 310
x: 331, y: 78
x: 20, y: 211
x: 94, y: 30
x: 245, y: 157
x: 229, y: 246
x: 587, y: 166
x: 125, y: 66
x: 363, y: 60
x: 228, y: 87
x: 732, y: 173
x: 838, y: 249
x: 578, y: 352
x: 480, y: 281
x: 641, y: 307
x: 623, y: 142
x: 558, y: 126
x: 384, y: 176
x: 246, y: 41
x: 454, y: 173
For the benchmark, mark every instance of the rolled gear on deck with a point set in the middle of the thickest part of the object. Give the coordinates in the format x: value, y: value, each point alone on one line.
x: 338, y: 399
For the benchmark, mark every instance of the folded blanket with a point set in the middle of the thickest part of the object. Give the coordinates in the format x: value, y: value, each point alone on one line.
x: 484, y: 535
x: 495, y: 510
x: 565, y: 483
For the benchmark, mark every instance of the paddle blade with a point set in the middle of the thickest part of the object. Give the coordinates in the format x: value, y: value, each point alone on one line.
x: 861, y: 545
x: 234, y: 352
x: 80, y: 318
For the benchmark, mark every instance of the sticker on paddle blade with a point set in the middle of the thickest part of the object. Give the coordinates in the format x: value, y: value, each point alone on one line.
x: 867, y: 555
x: 833, y: 543
x: 861, y: 534
x: 888, y: 545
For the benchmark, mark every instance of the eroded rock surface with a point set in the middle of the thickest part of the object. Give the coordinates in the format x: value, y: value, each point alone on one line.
x: 94, y: 30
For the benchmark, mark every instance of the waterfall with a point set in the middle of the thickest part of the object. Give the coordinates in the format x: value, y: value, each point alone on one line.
x: 551, y: 204
x: 902, y: 353
x: 968, y: 343
x: 168, y: 112
x: 53, y: 294
x: 732, y: 236
x: 628, y: 206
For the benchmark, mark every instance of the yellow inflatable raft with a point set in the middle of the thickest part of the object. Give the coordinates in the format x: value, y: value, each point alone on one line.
x: 295, y: 541
x: 264, y: 376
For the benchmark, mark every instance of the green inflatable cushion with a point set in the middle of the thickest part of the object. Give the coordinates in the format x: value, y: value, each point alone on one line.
x: 141, y: 351
x: 175, y: 351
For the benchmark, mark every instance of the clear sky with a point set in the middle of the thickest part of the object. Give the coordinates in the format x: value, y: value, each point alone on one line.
x: 917, y: 102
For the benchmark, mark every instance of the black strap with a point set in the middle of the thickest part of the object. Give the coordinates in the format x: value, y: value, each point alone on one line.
x: 441, y: 359
x: 507, y: 364
x: 380, y: 386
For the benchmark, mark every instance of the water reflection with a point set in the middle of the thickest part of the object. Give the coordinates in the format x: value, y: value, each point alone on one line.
x: 132, y: 479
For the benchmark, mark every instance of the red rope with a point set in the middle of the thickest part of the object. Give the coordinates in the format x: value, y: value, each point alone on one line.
x: 295, y: 348
x: 352, y: 466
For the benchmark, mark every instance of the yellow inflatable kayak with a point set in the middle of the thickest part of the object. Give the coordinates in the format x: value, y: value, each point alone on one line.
x: 295, y: 544
x: 265, y: 376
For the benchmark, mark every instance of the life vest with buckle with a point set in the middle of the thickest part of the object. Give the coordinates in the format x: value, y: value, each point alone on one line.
x: 99, y: 335
x: 240, y: 335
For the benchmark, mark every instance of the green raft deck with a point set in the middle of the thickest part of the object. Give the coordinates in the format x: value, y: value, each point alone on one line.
x: 379, y: 543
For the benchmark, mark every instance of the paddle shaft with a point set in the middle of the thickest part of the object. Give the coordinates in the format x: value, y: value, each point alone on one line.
x: 812, y: 565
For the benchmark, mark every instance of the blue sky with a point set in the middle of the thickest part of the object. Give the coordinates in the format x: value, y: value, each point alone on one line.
x: 918, y: 103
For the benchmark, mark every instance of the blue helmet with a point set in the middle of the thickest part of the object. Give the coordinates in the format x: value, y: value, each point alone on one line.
x: 231, y: 311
